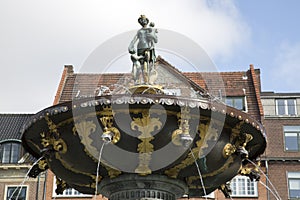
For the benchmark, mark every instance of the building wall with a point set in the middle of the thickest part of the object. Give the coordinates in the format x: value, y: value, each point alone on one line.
x: 235, y: 84
x: 279, y: 160
x: 51, y: 189
x: 13, y: 175
x: 278, y: 176
x: 275, y: 137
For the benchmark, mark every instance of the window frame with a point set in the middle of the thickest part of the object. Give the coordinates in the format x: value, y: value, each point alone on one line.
x: 286, y: 106
x: 288, y: 182
x: 16, y: 186
x: 74, y: 193
x: 20, y: 151
x: 233, y: 99
x: 246, y: 187
x: 296, y: 130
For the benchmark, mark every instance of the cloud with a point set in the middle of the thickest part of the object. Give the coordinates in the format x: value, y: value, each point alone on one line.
x: 39, y: 37
x: 285, y: 71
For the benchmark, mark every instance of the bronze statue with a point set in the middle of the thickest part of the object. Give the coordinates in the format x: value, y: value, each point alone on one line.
x: 143, y: 56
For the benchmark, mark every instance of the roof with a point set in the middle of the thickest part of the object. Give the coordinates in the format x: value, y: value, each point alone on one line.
x: 10, y: 125
x: 241, y: 83
x: 271, y: 94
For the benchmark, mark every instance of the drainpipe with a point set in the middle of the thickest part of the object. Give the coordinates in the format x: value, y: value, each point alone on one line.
x: 267, y: 175
x: 45, y: 185
x: 37, y: 188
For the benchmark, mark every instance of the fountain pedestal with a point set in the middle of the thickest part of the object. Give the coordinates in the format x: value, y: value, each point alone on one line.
x: 133, y: 186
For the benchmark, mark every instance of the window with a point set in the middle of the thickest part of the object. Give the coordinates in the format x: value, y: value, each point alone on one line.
x: 294, y: 184
x: 70, y: 192
x: 291, y: 138
x: 286, y: 106
x: 236, y: 102
x: 16, y: 193
x: 175, y: 92
x: 242, y: 186
x: 10, y: 152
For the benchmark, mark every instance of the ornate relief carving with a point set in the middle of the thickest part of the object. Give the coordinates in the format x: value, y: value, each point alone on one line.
x: 146, y: 125
x: 51, y: 140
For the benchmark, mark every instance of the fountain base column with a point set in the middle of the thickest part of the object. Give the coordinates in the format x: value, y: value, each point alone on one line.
x: 133, y: 187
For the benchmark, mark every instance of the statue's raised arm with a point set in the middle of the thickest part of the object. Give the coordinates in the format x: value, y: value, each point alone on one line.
x: 142, y: 50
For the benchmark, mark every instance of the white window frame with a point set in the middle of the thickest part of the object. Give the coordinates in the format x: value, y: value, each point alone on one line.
x: 245, y: 186
x: 74, y: 193
x: 289, y: 129
x: 16, y: 186
x: 210, y: 195
x: 292, y: 176
x: 286, y: 109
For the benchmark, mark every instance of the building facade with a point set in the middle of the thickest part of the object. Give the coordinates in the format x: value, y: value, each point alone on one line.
x: 237, y: 89
x: 15, y: 162
x: 282, y: 157
x: 279, y: 113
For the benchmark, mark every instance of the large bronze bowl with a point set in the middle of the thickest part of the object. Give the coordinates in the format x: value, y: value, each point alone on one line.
x: 150, y: 139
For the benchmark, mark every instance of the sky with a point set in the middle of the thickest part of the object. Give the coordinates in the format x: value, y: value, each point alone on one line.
x: 39, y: 37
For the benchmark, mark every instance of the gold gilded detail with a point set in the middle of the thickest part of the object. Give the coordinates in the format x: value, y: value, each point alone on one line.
x: 43, y: 165
x: 207, y: 133
x: 146, y: 125
x: 181, y: 136
x: 61, y: 185
x: 52, y: 138
x: 110, y: 133
x: 228, y: 150
x: 201, y: 143
x: 109, y: 130
x: 248, y: 138
x: 57, y: 144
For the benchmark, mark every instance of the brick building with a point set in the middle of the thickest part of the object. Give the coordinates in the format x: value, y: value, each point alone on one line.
x: 15, y: 162
x: 237, y: 89
x: 282, y: 157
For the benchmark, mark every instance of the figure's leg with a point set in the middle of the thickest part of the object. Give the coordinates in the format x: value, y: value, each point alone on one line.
x: 146, y: 67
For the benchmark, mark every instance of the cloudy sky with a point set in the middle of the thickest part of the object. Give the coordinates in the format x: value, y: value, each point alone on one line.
x: 39, y: 37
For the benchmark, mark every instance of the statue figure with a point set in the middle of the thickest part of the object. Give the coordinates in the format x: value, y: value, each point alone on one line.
x: 143, y: 56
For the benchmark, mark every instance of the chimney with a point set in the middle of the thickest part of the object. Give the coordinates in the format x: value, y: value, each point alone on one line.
x: 69, y: 69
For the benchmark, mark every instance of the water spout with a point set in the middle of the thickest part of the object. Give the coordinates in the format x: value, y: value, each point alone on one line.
x: 106, y: 141
x: 258, y: 167
x: 200, y: 175
x: 24, y: 180
x: 275, y: 195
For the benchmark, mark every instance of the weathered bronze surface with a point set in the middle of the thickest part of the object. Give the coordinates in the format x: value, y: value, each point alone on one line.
x: 154, y: 144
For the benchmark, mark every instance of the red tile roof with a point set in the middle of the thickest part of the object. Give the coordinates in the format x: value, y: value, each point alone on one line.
x: 243, y: 83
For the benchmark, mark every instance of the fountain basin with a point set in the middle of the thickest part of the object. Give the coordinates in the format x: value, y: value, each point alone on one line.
x: 148, y: 149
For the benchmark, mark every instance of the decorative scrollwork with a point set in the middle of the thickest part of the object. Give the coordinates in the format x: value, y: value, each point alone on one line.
x: 181, y: 136
x: 51, y: 139
x: 110, y: 133
x: 146, y: 125
x: 228, y: 150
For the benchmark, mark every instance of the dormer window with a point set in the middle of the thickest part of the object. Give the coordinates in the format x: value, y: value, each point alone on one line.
x: 286, y: 107
x: 10, y: 152
x: 236, y: 102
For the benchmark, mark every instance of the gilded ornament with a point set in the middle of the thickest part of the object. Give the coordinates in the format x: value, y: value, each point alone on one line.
x: 146, y: 125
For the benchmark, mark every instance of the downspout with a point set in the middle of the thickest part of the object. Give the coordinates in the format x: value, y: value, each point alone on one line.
x: 267, y: 175
x: 45, y: 186
x: 37, y: 188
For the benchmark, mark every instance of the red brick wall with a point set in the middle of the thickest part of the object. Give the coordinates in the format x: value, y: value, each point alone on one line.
x: 275, y: 137
x: 278, y: 176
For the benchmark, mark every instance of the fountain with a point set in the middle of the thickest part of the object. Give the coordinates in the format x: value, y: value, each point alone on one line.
x: 142, y: 143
